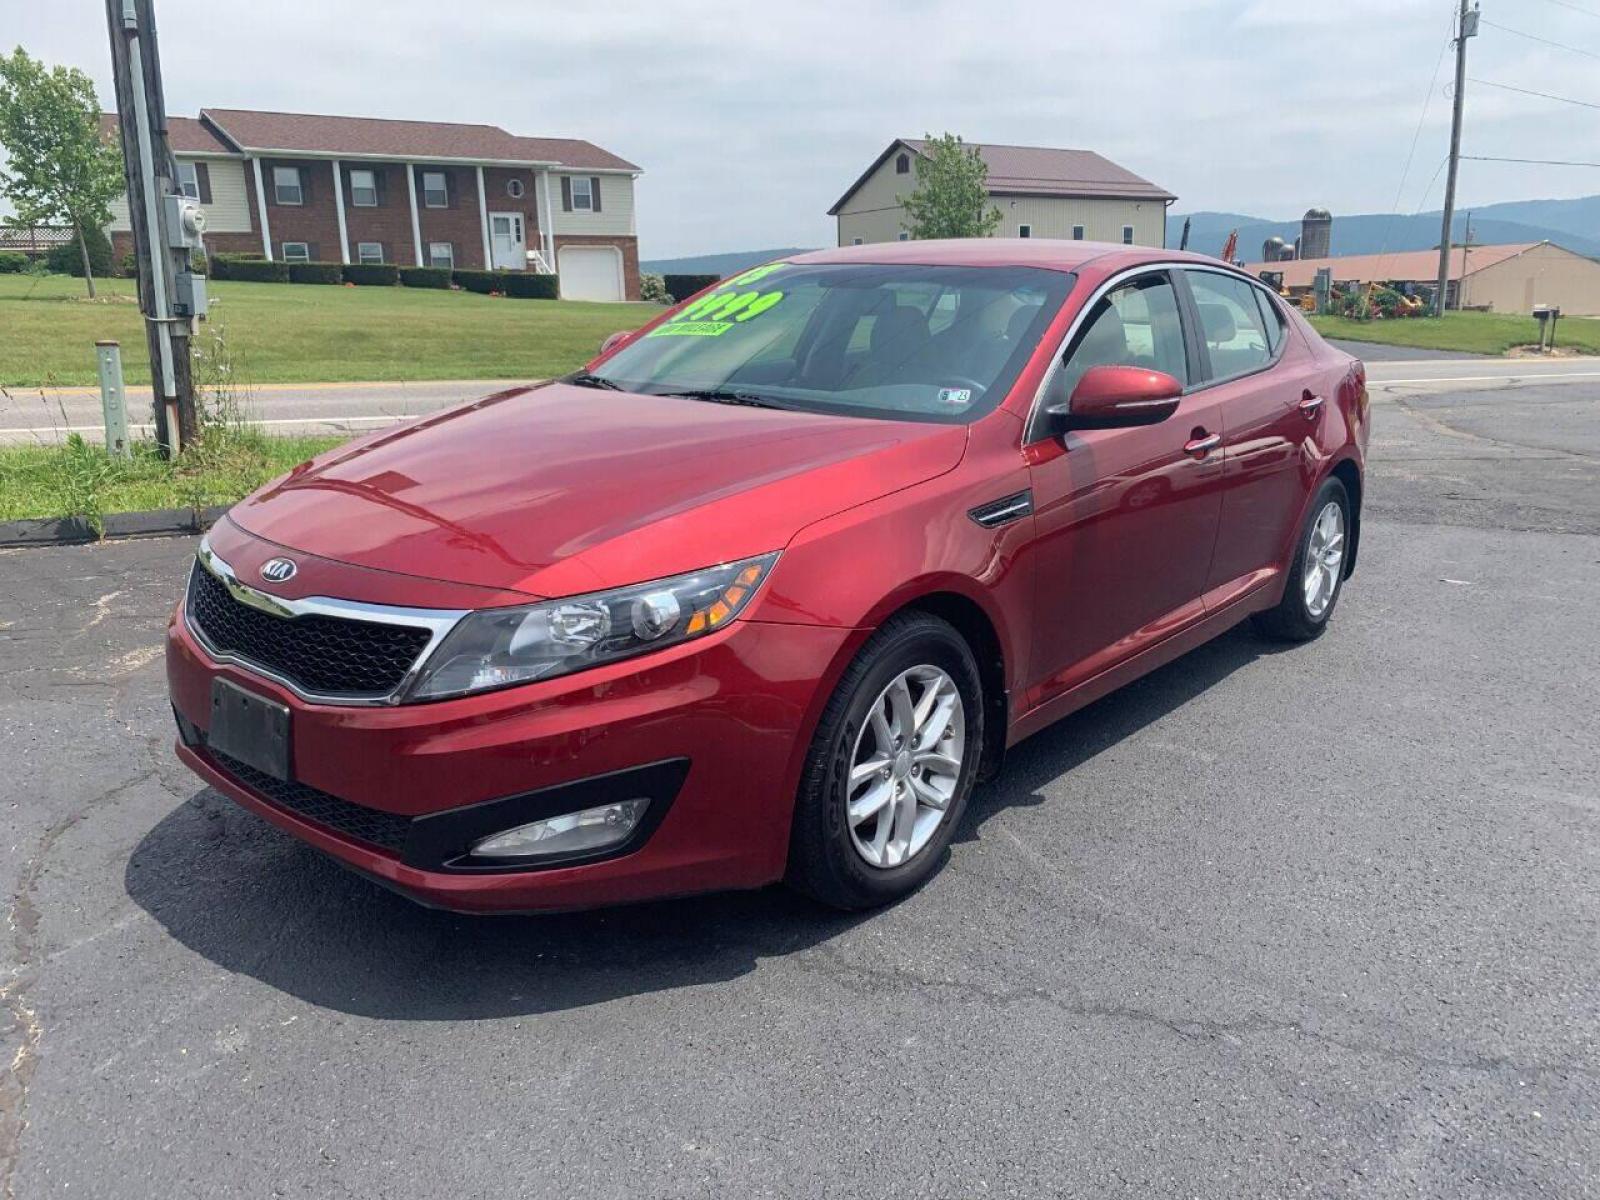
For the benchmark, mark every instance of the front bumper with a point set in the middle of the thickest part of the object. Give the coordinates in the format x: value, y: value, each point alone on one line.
x: 715, y: 730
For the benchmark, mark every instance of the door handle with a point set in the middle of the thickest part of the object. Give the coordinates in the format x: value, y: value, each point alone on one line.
x: 1310, y: 403
x: 1199, y: 447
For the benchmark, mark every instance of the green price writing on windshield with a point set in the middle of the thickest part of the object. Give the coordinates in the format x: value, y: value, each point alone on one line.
x: 715, y: 314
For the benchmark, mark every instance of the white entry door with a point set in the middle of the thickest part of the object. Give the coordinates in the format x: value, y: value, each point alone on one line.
x: 590, y: 272
x: 507, y: 245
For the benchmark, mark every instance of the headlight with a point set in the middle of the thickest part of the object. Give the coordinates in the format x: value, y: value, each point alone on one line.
x: 498, y: 647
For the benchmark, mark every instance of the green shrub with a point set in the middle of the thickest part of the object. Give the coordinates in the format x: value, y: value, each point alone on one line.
x: 372, y: 274
x: 528, y: 286
x: 316, y: 272
x: 681, y: 287
x: 482, y: 282
x: 12, y: 263
x: 128, y: 266
x: 249, y: 270
x: 66, y: 259
x: 425, y: 277
x: 653, y: 288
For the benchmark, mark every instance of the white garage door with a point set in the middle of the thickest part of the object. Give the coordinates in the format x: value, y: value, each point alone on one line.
x: 590, y: 272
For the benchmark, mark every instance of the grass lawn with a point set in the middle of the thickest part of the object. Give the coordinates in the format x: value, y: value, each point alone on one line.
x: 1483, y: 333
x: 300, y: 333
x: 78, y: 479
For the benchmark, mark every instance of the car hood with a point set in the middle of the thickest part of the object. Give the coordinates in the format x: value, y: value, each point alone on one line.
x: 557, y: 490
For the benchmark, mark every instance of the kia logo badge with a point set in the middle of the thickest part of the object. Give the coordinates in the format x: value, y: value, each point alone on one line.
x: 276, y: 570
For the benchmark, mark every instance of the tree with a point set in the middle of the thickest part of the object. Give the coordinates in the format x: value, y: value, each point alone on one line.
x: 951, y: 199
x: 61, y: 170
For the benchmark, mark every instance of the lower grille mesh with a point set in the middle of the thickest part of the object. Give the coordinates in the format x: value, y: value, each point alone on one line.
x: 387, y: 831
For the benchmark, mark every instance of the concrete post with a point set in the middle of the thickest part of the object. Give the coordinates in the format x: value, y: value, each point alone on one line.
x: 113, y: 399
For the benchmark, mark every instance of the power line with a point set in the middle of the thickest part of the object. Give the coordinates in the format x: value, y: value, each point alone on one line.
x: 1577, y: 8
x: 1506, y: 87
x: 1546, y: 162
x: 1533, y: 37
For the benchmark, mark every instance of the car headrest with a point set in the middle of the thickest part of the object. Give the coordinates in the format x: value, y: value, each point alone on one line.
x: 1217, y: 321
x: 1017, y: 327
x: 1106, y: 343
x: 901, y: 329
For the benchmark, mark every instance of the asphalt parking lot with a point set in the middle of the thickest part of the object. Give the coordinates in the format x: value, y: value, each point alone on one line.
x: 1318, y: 922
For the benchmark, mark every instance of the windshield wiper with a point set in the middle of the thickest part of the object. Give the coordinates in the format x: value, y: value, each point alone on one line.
x: 585, y: 379
x: 728, y: 396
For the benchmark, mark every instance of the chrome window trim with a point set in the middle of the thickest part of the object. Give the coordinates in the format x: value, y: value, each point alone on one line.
x: 438, y: 621
x: 1058, y: 354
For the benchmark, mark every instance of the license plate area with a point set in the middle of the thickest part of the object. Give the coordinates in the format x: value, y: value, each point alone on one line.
x: 246, y: 726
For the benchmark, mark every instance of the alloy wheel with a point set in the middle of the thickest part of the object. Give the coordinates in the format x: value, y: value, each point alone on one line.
x: 905, y: 766
x: 1324, y: 559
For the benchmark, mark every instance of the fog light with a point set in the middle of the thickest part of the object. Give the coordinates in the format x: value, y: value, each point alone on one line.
x: 570, y: 833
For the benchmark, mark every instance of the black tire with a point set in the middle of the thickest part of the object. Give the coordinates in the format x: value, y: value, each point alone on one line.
x: 823, y: 861
x: 1292, y: 620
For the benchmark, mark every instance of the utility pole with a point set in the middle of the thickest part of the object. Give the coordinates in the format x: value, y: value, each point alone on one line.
x: 166, y: 226
x: 1466, y: 26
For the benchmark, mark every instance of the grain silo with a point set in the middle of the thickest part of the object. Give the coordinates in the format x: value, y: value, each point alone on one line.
x: 1316, y: 233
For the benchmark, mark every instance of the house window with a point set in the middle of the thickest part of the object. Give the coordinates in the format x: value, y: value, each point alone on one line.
x: 296, y: 252
x: 189, y: 180
x: 1127, y: 235
x: 902, y: 164
x: 905, y: 236
x: 364, y: 189
x: 442, y: 254
x: 1077, y: 233
x: 286, y: 185
x: 369, y: 252
x: 582, y: 193
x: 1024, y: 230
x: 435, y: 193
x: 515, y: 188
x: 855, y: 241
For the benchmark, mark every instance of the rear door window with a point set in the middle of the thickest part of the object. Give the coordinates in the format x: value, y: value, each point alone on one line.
x: 1232, y: 325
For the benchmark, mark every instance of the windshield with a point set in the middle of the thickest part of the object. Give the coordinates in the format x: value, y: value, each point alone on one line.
x: 921, y: 343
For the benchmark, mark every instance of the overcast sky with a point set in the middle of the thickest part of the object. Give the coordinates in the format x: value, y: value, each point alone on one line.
x: 750, y: 119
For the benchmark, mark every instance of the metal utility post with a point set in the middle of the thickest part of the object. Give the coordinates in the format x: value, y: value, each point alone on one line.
x: 166, y: 226
x: 1466, y: 26
x: 113, y: 399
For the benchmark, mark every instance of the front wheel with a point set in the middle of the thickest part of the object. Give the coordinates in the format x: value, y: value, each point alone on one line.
x: 1317, y: 573
x: 890, y: 768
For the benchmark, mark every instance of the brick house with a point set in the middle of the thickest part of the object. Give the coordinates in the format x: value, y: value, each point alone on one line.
x: 299, y: 187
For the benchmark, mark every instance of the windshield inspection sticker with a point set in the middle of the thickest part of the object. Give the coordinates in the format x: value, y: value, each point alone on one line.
x: 955, y: 397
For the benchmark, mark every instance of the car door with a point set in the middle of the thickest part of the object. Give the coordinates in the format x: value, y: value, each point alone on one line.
x: 1265, y: 382
x: 1125, y: 519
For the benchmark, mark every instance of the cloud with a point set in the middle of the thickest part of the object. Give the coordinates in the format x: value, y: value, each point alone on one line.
x: 749, y: 121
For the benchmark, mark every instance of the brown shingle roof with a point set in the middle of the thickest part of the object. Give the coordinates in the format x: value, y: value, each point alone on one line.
x: 310, y: 133
x: 1041, y: 171
x: 1411, y: 266
x: 1038, y: 171
x: 573, y: 152
x: 186, y: 135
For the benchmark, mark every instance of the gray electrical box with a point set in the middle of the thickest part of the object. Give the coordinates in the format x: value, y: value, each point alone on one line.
x: 186, y: 222
x: 189, y: 294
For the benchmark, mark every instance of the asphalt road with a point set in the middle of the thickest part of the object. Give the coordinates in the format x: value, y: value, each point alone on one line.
x: 1308, y: 922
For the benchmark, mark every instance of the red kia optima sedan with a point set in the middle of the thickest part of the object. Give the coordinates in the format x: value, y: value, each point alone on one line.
x: 762, y: 592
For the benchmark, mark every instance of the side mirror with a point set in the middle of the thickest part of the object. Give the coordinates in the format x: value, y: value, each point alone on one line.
x: 1117, y: 398
x: 614, y: 340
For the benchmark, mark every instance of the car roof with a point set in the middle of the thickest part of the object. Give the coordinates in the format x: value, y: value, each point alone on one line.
x: 1005, y: 252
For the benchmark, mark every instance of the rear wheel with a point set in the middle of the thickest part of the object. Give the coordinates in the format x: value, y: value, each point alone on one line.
x: 890, y: 768
x: 1317, y: 573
